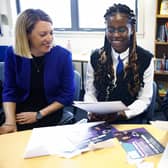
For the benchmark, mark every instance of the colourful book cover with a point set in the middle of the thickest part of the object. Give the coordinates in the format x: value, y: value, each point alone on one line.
x: 139, y: 143
x: 95, y: 134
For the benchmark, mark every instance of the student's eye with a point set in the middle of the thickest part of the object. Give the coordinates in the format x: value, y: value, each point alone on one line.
x: 111, y: 29
x: 122, y: 29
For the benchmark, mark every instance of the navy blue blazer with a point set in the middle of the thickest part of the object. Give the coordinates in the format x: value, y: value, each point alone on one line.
x: 58, y: 77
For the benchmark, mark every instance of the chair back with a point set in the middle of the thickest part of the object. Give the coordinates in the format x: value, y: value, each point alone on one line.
x: 77, y: 79
x: 2, y: 71
x: 2, y: 116
x: 151, y: 109
x: 3, y: 49
x: 69, y: 111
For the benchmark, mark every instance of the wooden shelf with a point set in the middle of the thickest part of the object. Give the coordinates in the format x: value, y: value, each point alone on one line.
x: 162, y: 16
x: 161, y: 73
x: 162, y: 94
x: 161, y: 50
x: 160, y: 43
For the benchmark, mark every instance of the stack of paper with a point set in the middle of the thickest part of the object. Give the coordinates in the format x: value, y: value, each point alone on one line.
x: 69, y: 140
x: 163, y: 125
x: 101, y: 107
x: 164, y: 159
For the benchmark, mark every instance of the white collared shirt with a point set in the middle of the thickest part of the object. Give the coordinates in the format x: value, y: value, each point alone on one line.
x: 145, y: 93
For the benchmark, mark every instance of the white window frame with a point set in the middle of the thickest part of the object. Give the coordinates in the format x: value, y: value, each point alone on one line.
x: 140, y: 28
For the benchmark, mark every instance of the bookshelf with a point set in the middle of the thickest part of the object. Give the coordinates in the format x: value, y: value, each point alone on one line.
x: 161, y: 46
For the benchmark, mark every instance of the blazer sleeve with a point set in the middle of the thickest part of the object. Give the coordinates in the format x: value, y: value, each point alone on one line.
x: 9, y: 84
x: 60, y: 77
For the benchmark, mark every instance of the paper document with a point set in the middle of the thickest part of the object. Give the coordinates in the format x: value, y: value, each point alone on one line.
x: 101, y: 107
x: 163, y: 125
x: 69, y: 140
x: 164, y: 159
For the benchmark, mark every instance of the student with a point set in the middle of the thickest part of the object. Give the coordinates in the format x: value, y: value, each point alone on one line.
x: 38, y: 76
x: 120, y: 70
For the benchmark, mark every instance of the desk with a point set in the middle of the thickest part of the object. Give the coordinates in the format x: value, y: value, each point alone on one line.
x: 12, y: 147
x: 82, y: 59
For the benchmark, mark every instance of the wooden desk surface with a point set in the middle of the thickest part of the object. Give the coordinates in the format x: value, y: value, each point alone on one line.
x: 12, y: 147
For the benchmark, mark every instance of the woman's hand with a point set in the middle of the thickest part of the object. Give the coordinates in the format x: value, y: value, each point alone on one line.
x: 8, y: 128
x: 26, y: 117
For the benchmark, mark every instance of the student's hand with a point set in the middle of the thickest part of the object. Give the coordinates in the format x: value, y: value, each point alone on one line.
x: 7, y: 128
x: 103, y: 117
x: 26, y: 117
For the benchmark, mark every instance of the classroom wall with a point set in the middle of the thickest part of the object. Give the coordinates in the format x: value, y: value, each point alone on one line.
x: 84, y: 42
x: 6, y: 22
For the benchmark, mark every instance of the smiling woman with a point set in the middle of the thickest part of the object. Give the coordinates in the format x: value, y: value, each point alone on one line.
x: 38, y: 79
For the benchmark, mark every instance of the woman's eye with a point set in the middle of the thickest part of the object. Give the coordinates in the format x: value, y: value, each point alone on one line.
x: 42, y: 34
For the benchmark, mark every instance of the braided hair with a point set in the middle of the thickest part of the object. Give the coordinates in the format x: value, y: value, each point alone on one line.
x: 105, y: 68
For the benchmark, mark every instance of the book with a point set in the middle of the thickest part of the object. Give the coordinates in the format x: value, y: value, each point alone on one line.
x: 161, y: 33
x: 158, y: 64
x: 139, y: 143
x: 166, y: 31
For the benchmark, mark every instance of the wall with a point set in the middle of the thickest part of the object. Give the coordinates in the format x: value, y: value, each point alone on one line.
x: 6, y: 22
x: 147, y: 41
x: 85, y: 42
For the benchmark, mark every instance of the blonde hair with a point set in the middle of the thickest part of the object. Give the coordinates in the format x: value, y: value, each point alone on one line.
x: 24, y: 25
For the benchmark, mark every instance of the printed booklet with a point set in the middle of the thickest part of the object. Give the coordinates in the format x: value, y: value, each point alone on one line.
x: 139, y: 143
x: 71, y: 140
x: 94, y: 137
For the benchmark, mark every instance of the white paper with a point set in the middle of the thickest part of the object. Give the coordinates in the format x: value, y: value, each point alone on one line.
x: 101, y: 107
x: 59, y: 140
x: 47, y: 141
x: 164, y: 159
x: 163, y: 125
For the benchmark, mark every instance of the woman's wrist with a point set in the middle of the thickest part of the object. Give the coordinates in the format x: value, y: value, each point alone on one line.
x: 9, y: 124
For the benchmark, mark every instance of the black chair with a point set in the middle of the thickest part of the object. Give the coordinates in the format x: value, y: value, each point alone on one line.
x: 68, y: 116
x: 149, y: 113
x: 164, y: 107
x: 3, y: 49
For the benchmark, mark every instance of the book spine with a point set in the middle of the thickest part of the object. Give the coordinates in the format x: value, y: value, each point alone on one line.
x: 161, y: 35
x: 166, y: 31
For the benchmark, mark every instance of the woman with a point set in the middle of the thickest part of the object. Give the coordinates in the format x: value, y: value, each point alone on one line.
x: 120, y: 70
x: 38, y: 76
